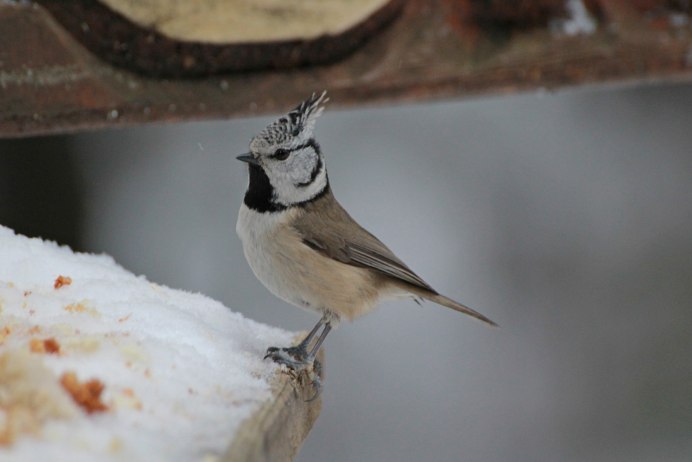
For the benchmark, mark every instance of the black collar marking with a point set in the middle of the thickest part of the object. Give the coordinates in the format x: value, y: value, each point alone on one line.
x: 318, y: 166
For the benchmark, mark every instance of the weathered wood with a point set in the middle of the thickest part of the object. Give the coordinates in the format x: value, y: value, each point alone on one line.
x: 50, y: 84
x: 277, y: 430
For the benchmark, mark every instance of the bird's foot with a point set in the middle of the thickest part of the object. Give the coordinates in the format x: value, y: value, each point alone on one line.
x: 295, y: 358
x: 300, y: 364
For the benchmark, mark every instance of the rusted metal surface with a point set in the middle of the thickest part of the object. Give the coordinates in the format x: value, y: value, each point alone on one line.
x: 51, y: 84
x: 120, y: 41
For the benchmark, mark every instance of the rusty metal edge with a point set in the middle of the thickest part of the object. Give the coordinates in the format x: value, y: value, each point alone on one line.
x: 95, y: 120
x: 614, y: 64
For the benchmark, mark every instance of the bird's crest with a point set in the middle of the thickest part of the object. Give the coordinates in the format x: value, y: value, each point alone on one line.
x: 294, y: 128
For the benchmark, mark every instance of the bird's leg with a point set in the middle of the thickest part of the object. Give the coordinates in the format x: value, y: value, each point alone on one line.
x: 320, y: 340
x: 294, y: 357
x: 315, y: 372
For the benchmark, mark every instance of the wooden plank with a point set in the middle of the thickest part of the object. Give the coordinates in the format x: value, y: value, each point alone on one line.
x: 277, y: 430
x: 50, y: 84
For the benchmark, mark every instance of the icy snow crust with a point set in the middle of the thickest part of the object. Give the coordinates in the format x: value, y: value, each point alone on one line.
x: 181, y: 371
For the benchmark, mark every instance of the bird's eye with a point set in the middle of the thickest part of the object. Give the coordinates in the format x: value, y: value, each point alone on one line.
x: 281, y: 154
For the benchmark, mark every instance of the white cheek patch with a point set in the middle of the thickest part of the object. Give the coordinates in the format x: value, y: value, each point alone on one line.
x: 293, y: 179
x: 299, y: 167
x: 287, y: 193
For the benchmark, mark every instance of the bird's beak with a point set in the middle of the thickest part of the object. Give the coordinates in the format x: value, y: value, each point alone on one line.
x: 249, y: 158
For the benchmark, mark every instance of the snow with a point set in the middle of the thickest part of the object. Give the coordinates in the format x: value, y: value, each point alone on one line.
x: 180, y: 371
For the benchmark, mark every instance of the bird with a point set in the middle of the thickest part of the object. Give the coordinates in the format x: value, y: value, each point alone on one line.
x: 303, y: 245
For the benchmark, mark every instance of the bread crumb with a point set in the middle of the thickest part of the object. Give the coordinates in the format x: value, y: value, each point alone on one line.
x: 36, y: 346
x: 127, y: 400
x: 49, y: 345
x: 87, y: 395
x: 75, y: 308
x: 4, y: 333
x: 52, y: 346
x: 62, y: 281
x: 81, y: 307
x: 125, y: 318
x: 29, y: 396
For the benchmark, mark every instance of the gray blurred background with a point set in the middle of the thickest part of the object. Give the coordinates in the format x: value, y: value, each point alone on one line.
x: 566, y: 218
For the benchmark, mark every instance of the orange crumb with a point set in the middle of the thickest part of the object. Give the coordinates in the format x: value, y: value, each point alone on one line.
x: 52, y: 346
x: 125, y: 318
x: 81, y: 307
x: 34, y: 330
x: 36, y: 346
x: 75, y: 308
x: 62, y: 281
x: 87, y: 395
x: 4, y: 333
x: 129, y: 400
x: 6, y: 437
x: 49, y: 346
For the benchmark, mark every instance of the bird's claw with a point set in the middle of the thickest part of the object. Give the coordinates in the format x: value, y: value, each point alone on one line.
x: 313, y: 375
x: 295, y: 358
x: 300, y: 366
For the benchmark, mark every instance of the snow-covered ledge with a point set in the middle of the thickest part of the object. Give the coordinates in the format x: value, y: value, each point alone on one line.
x: 99, y: 364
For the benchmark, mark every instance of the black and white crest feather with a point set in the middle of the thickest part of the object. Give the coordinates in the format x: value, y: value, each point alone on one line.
x: 294, y: 128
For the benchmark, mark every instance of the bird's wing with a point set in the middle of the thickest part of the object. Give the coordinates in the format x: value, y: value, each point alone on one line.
x: 327, y: 228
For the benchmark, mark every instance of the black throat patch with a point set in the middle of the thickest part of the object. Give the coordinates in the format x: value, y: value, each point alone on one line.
x: 260, y: 193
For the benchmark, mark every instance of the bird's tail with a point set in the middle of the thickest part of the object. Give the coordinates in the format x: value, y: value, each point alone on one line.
x: 456, y: 306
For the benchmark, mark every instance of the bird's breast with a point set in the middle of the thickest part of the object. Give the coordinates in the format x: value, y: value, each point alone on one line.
x: 267, y: 244
x: 298, y: 274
